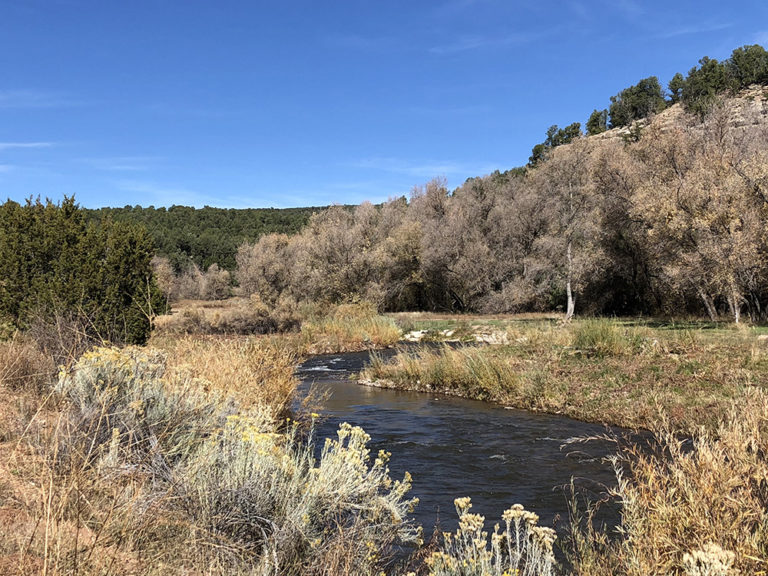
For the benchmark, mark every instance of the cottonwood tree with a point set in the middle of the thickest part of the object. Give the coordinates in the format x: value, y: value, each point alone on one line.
x: 332, y: 256
x: 627, y: 282
x: 263, y: 267
x: 701, y: 210
x: 564, y: 185
x: 438, y: 249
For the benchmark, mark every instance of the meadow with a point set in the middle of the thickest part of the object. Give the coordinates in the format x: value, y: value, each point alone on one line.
x: 188, y: 456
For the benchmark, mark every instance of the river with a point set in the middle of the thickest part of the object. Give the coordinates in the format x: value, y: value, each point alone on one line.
x: 455, y: 447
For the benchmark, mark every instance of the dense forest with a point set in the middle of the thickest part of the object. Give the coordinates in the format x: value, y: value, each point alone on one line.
x: 672, y: 222
x: 662, y: 207
x: 205, y: 236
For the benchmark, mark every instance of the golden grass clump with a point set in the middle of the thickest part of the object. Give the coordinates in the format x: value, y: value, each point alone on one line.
x: 350, y: 327
x: 233, y: 316
x: 153, y: 471
x: 465, y: 371
x: 696, y: 506
x: 255, y: 370
x: 24, y: 366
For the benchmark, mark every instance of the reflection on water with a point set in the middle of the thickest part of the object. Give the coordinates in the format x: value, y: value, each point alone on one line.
x: 455, y: 447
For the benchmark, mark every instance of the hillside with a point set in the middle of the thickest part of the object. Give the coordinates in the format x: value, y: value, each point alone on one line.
x: 748, y: 108
x: 206, y: 235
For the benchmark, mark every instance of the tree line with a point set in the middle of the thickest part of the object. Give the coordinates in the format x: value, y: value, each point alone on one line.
x: 674, y: 222
x: 71, y: 281
x: 697, y: 92
x: 201, y: 237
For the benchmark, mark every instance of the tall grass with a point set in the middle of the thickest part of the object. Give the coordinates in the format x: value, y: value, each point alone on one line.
x: 466, y: 371
x: 148, y: 472
x: 691, y: 506
x: 254, y: 371
x: 24, y: 366
x: 608, y: 371
x: 347, y: 328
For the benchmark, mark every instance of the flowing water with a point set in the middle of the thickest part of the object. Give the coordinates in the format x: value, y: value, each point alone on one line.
x: 455, y: 447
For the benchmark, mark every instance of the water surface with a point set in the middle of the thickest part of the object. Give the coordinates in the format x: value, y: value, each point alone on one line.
x: 455, y: 447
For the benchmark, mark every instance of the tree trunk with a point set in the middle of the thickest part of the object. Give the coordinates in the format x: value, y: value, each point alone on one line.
x: 708, y: 305
x: 568, y: 287
x: 734, y: 303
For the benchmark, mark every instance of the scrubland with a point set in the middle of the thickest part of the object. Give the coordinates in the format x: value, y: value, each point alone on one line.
x: 630, y: 373
x: 185, y: 457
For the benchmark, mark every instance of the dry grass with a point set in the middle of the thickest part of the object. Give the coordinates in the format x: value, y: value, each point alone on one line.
x: 254, y: 370
x: 24, y: 366
x: 317, y: 329
x: 143, y: 471
x: 348, y: 328
x: 688, y: 506
x: 233, y: 316
x: 596, y: 370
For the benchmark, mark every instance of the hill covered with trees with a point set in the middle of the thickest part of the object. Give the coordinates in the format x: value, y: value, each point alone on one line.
x: 660, y: 207
x: 669, y: 220
x: 205, y: 236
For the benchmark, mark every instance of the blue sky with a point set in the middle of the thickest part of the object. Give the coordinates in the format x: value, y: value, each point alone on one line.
x: 297, y: 103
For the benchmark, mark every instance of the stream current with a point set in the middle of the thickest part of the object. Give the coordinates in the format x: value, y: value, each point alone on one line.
x: 455, y: 447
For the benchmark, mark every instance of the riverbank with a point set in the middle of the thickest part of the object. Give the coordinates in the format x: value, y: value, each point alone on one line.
x: 138, y: 461
x: 629, y: 373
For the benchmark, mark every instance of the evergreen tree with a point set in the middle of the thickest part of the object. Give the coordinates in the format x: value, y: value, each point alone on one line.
x: 703, y: 84
x: 637, y: 102
x: 598, y: 122
x: 53, y: 265
x: 555, y: 137
x: 676, y: 88
x: 748, y: 65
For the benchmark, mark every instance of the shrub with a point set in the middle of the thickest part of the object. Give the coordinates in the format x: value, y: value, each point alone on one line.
x: 122, y: 410
x: 521, y: 548
x: 196, y: 485
x: 260, y: 495
x: 55, y: 265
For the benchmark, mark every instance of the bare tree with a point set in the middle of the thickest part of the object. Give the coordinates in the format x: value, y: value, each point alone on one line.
x: 565, y: 189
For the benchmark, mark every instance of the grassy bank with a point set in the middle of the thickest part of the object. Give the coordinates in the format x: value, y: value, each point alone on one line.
x: 181, y: 460
x: 136, y: 464
x: 307, y: 329
x: 617, y: 372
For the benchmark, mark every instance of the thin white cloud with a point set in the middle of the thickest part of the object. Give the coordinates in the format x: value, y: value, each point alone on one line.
x: 579, y: 9
x: 160, y: 194
x: 629, y: 8
x: 426, y: 169
x: 5, y: 168
x: 468, y: 110
x: 34, y: 99
x: 453, y: 7
x: 20, y: 145
x: 122, y: 163
x: 163, y: 195
x: 467, y: 43
x: 694, y: 29
x: 367, y: 43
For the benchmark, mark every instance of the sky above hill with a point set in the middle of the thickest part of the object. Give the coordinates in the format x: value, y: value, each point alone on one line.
x: 297, y: 103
